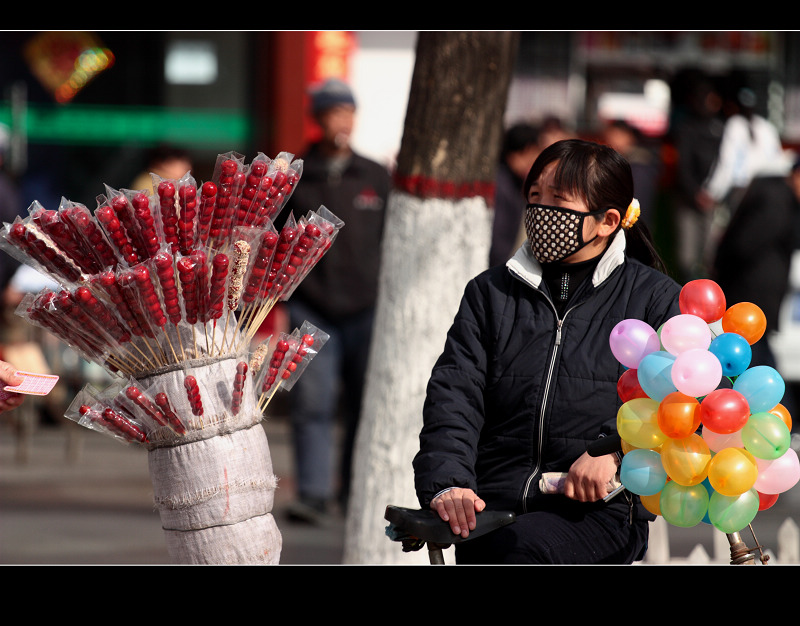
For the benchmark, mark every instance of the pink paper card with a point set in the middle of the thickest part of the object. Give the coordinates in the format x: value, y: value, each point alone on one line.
x: 34, y: 384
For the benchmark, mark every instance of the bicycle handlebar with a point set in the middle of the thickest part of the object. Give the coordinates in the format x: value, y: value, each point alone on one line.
x: 605, y: 445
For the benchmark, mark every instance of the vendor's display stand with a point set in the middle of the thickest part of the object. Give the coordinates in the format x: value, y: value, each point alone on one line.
x: 166, y: 289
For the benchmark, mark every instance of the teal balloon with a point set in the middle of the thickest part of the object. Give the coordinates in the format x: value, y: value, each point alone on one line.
x: 730, y: 514
x: 762, y: 386
x: 766, y: 436
x: 642, y: 472
x: 733, y: 352
x: 655, y: 375
x: 683, y: 506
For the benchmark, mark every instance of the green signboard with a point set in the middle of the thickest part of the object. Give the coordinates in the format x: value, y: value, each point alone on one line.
x: 112, y: 125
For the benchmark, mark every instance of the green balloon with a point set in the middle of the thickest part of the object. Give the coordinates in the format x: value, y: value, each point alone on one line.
x: 683, y: 506
x: 732, y: 513
x: 766, y: 436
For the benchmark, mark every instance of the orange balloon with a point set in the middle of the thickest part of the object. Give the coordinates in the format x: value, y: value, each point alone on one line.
x: 745, y: 319
x: 679, y: 415
x: 652, y: 503
x: 782, y: 412
x: 686, y: 460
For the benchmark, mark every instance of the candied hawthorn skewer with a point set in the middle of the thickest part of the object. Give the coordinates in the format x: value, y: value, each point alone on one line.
x: 193, y: 395
x: 175, y: 423
x: 116, y: 233
x: 116, y: 423
x: 207, y: 204
x: 238, y: 387
x: 187, y: 199
x: 169, y: 213
x: 143, y: 214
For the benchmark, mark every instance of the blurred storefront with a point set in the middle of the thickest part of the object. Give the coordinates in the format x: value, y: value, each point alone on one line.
x: 84, y: 108
x: 236, y: 90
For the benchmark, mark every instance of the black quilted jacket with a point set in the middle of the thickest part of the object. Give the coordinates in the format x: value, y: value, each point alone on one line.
x: 517, y: 391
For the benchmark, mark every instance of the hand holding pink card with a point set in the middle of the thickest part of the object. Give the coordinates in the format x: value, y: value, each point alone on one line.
x: 34, y: 384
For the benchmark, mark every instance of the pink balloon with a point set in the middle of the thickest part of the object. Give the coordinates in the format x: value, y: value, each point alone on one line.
x: 685, y: 332
x: 719, y: 441
x: 631, y: 340
x: 778, y: 475
x: 696, y: 372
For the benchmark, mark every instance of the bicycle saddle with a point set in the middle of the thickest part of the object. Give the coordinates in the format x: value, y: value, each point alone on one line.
x: 425, y: 525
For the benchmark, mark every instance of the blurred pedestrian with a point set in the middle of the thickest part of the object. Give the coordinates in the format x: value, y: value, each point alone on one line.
x: 753, y: 259
x: 645, y: 164
x: 551, y: 130
x: 520, y: 149
x: 750, y: 145
x: 166, y: 161
x: 697, y: 136
x: 338, y: 297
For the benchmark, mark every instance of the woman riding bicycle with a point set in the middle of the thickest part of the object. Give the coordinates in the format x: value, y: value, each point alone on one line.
x: 527, y: 378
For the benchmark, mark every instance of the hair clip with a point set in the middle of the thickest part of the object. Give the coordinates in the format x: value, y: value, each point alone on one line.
x: 631, y: 215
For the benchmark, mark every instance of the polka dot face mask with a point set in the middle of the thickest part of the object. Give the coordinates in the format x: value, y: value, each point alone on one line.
x: 555, y: 233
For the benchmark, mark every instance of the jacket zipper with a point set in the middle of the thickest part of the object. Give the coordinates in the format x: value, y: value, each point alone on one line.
x: 545, y: 398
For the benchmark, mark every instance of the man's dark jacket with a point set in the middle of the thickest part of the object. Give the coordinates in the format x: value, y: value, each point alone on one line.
x: 345, y: 282
x: 517, y: 392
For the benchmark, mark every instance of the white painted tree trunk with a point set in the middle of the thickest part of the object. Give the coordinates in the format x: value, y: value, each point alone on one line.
x: 432, y: 248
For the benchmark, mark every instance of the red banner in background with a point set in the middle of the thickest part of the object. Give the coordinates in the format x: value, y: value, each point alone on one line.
x: 328, y: 54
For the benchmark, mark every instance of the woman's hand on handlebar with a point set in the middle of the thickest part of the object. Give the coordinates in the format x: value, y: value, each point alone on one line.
x: 458, y: 506
x: 588, y: 477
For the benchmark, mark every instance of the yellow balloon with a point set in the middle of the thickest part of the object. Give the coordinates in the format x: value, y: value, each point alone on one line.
x: 637, y: 423
x: 732, y: 471
x: 686, y: 460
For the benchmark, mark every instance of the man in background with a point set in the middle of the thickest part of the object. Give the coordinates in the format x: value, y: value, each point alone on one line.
x: 338, y: 297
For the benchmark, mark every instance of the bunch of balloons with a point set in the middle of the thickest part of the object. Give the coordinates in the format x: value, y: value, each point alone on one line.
x: 705, y: 436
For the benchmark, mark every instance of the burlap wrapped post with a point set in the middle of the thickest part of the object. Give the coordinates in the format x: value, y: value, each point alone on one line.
x: 214, y: 486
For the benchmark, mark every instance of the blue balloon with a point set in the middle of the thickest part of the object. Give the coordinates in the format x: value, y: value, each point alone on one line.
x: 733, y: 352
x: 762, y: 386
x: 655, y: 374
x: 642, y: 472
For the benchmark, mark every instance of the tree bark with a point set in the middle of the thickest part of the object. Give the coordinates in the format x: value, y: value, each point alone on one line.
x: 437, y: 238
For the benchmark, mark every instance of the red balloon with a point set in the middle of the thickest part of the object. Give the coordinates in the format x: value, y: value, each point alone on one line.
x: 628, y: 386
x: 766, y: 500
x: 703, y: 298
x: 724, y: 411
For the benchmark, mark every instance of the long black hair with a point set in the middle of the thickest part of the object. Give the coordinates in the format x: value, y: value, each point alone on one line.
x: 602, y: 178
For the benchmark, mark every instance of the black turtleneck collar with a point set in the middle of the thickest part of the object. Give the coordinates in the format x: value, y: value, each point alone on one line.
x: 563, y: 279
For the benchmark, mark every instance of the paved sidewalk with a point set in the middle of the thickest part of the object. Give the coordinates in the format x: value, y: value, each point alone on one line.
x: 83, y: 498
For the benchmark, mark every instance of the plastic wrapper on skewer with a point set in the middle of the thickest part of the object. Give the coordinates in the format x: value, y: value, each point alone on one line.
x: 166, y: 194
x: 136, y: 399
x: 27, y: 243
x: 87, y: 410
x: 286, y: 173
x: 76, y: 233
x: 188, y: 222
x: 259, y: 177
x: 268, y: 186
x: 116, y: 233
x: 136, y: 233
x: 61, y: 315
x: 318, y: 230
x: 229, y: 178
x: 280, y: 367
x: 309, y: 341
x: 258, y: 296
